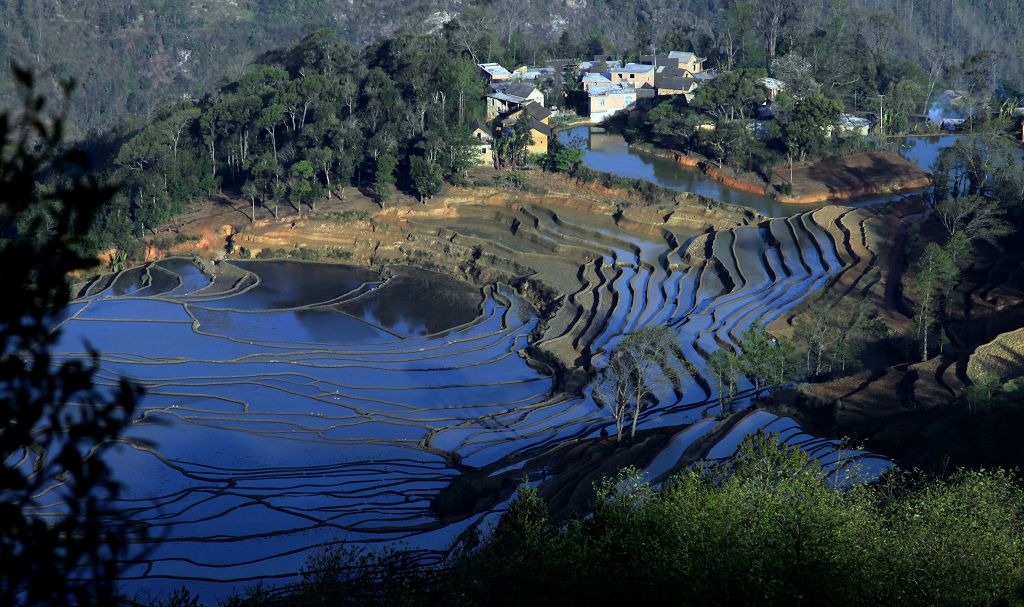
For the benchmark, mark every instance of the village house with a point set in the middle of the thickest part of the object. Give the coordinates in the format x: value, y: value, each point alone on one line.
x: 677, y: 73
x: 599, y: 66
x: 772, y: 87
x: 688, y: 61
x: 607, y: 100
x: 853, y: 125
x: 637, y: 75
x: 537, y: 118
x: 540, y: 137
x: 659, y: 61
x: 494, y: 72
x: 485, y: 143
x: 670, y: 81
x: 684, y: 60
x: 526, y: 72
x: 590, y: 79
x: 512, y: 97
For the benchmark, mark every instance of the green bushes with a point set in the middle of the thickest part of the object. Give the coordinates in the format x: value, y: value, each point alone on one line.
x: 764, y: 529
x: 518, y: 181
x: 306, y: 254
x: 346, y: 216
x: 646, y: 191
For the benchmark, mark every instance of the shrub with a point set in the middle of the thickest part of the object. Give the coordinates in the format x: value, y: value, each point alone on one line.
x: 764, y: 524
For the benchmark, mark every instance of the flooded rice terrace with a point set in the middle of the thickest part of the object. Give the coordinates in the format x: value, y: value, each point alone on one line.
x: 294, y: 405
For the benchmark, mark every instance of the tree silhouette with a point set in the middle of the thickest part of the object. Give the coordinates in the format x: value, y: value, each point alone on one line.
x: 55, y: 425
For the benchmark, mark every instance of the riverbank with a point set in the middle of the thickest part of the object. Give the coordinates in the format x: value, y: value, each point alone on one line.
x: 839, y: 179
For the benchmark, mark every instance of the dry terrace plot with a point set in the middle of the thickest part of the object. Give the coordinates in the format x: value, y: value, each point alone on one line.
x: 851, y: 176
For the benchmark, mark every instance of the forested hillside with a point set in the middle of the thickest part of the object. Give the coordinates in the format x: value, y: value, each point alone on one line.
x: 133, y: 55
x: 317, y: 118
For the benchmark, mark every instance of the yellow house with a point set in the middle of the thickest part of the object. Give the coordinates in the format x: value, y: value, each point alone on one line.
x: 540, y: 136
x: 537, y: 118
x: 688, y: 61
x: 674, y: 81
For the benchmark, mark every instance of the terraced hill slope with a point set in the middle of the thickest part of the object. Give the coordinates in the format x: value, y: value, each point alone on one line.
x: 1003, y: 356
x: 322, y: 429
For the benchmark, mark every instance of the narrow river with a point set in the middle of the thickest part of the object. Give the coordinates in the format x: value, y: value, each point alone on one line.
x: 608, y: 152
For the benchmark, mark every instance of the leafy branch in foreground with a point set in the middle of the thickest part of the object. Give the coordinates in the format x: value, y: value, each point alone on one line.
x: 764, y: 527
x: 60, y: 541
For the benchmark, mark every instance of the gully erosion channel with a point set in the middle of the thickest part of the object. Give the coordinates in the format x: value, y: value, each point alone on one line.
x: 294, y: 405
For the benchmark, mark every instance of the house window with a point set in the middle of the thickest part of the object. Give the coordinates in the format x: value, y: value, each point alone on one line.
x: 632, y: 75
x: 629, y: 100
x: 600, y: 102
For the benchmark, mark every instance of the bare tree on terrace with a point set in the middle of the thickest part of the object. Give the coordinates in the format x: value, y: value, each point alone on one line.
x: 643, y: 362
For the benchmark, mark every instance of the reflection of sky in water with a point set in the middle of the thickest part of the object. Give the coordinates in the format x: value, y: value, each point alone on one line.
x: 279, y: 429
x: 410, y: 306
x: 924, y: 151
x: 290, y: 284
x: 609, y: 153
x: 408, y: 327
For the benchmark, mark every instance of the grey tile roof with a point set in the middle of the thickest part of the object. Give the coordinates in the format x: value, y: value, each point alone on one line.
x: 520, y: 89
x: 539, y: 126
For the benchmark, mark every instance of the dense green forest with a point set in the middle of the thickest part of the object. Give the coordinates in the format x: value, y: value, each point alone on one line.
x: 314, y: 120
x: 133, y: 56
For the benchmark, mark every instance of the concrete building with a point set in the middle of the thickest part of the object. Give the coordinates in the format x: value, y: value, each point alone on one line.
x: 853, y: 125
x: 590, y: 79
x: 636, y: 75
x: 512, y: 97
x: 494, y: 72
x: 485, y: 144
x: 608, y: 100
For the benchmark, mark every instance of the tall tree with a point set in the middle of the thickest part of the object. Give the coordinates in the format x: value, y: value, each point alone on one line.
x: 935, y: 276
x: 806, y: 125
x: 425, y: 177
x: 384, y: 176
x: 726, y: 368
x: 775, y: 19
x: 977, y: 217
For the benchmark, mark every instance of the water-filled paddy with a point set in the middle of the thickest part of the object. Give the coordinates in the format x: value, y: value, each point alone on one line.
x: 334, y: 404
